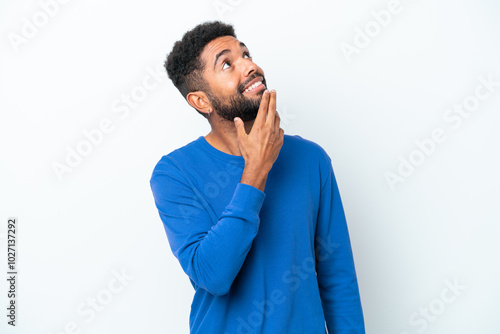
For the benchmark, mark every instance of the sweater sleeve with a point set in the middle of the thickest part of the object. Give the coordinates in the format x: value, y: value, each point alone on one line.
x: 335, y: 265
x: 211, y: 254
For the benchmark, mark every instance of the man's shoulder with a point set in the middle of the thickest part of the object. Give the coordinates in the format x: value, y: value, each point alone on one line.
x: 300, y: 141
x: 305, y: 155
x: 299, y: 145
x: 185, y: 150
x: 177, y: 156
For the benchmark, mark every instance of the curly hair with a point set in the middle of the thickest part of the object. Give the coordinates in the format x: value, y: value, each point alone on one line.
x: 183, y: 64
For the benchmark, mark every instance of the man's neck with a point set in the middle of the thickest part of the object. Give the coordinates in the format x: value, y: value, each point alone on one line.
x: 224, y: 136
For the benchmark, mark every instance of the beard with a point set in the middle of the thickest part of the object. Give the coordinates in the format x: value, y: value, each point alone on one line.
x: 237, y: 105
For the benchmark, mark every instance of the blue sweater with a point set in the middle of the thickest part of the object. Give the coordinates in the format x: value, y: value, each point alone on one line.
x: 272, y: 262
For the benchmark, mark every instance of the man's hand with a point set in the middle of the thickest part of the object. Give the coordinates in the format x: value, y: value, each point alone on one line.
x: 260, y: 148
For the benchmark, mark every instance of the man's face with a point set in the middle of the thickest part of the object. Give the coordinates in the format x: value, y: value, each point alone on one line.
x: 235, y: 83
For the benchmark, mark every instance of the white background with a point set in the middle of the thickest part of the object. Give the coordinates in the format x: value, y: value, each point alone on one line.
x: 77, y: 231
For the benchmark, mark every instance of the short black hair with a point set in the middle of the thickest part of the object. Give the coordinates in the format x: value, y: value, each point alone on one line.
x: 183, y: 64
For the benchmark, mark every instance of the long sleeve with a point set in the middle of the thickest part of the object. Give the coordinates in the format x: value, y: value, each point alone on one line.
x: 335, y: 265
x: 210, y: 253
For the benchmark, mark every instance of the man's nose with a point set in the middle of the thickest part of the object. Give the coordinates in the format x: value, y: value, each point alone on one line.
x: 249, y: 67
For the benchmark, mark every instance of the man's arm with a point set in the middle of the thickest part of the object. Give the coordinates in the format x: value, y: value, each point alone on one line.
x: 335, y: 265
x: 210, y: 254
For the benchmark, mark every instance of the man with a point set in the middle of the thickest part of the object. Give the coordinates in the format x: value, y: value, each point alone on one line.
x: 254, y: 216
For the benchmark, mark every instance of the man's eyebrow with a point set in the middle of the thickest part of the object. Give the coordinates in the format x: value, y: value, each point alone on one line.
x: 223, y: 52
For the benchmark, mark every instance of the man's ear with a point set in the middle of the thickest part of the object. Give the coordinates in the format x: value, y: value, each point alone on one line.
x: 199, y: 101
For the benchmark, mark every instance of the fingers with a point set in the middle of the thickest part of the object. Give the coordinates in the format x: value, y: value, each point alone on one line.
x: 240, y: 128
x: 262, y: 113
x: 277, y: 121
x: 282, y: 133
x: 267, y: 117
x: 271, y: 109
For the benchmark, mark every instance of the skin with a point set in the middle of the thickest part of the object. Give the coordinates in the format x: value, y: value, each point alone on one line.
x: 258, y: 140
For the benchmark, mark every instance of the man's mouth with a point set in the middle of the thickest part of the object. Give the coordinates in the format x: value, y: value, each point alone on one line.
x: 254, y: 85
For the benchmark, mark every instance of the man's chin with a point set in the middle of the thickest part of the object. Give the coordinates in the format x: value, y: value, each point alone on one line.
x: 242, y: 106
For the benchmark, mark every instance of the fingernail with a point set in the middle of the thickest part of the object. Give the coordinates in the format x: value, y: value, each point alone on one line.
x: 273, y: 90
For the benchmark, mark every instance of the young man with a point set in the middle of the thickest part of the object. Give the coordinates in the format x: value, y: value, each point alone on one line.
x: 254, y: 216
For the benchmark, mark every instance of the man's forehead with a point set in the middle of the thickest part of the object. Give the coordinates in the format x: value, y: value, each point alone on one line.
x: 219, y: 44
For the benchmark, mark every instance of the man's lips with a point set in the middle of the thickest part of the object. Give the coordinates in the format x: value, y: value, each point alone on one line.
x: 255, y: 84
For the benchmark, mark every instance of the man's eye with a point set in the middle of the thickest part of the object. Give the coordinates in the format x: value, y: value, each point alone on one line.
x: 224, y: 65
x: 248, y: 55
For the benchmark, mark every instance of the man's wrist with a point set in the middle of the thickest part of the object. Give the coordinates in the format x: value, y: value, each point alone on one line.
x: 255, y: 177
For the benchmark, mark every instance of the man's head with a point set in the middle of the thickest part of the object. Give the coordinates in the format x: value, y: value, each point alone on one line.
x: 213, y: 71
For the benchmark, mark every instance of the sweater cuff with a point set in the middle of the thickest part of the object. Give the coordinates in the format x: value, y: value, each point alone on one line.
x: 247, y: 198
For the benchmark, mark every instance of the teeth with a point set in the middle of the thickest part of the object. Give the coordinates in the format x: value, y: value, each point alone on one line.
x: 258, y: 83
